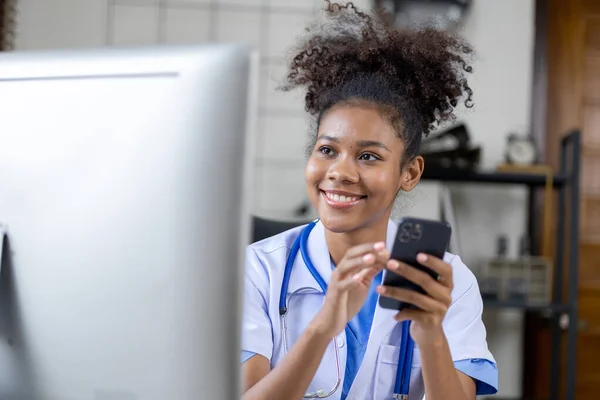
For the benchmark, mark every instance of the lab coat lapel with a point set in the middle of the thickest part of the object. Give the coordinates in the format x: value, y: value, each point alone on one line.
x: 319, y: 255
x: 319, y: 252
x: 382, y: 326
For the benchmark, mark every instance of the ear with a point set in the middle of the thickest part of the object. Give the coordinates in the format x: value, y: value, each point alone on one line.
x: 411, y: 174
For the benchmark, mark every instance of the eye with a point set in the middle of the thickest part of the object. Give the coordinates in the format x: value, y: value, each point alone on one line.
x: 368, y: 157
x: 327, y: 151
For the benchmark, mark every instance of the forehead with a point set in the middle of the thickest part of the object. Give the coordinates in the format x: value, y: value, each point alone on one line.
x: 357, y: 123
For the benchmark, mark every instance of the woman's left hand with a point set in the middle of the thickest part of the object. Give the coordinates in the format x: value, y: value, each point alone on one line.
x: 426, y: 326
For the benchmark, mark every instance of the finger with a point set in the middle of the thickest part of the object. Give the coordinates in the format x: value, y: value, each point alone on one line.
x: 433, y: 288
x: 353, y: 266
x: 442, y: 268
x: 409, y: 314
x: 382, y: 256
x: 363, y: 249
x: 348, y: 283
x: 377, y: 259
x: 363, y: 259
x: 422, y: 301
x: 365, y: 276
x: 350, y: 268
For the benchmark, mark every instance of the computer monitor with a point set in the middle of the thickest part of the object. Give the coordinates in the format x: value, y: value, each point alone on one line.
x: 124, y: 191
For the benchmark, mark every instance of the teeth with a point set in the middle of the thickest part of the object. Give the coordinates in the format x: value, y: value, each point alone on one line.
x: 341, y: 199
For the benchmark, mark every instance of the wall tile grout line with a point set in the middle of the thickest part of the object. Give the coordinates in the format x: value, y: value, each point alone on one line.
x: 213, y: 11
x: 162, y: 22
x: 110, y: 23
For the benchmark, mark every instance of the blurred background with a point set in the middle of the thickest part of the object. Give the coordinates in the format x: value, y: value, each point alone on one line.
x: 536, y: 79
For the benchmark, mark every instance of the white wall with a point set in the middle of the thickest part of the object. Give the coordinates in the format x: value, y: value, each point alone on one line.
x: 500, y: 30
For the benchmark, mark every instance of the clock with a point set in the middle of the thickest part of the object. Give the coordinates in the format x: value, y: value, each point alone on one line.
x: 520, y: 150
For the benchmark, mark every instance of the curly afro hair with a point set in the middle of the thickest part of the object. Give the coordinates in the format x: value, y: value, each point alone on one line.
x: 416, y: 77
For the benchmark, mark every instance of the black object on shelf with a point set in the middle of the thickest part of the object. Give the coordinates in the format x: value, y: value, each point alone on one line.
x: 451, y: 148
x: 567, y: 184
x: 502, y: 246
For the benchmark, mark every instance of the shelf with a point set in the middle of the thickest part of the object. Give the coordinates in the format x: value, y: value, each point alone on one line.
x: 466, y: 176
x: 495, y: 304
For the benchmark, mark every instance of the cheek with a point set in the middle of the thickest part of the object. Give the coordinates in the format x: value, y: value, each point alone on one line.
x: 386, y: 181
x: 314, y: 171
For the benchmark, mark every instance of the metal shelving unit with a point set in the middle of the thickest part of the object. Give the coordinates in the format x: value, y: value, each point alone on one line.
x: 566, y: 182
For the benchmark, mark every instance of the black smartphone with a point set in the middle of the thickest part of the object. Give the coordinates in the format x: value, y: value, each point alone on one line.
x: 415, y: 236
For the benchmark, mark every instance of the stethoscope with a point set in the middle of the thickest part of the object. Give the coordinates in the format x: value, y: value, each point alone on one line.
x: 402, y: 383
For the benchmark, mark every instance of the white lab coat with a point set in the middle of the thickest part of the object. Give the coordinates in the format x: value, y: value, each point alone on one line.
x: 375, y: 379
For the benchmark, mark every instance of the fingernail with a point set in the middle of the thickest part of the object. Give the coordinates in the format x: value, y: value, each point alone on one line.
x: 368, y: 257
x: 380, y: 289
x: 356, y: 277
x: 393, y: 264
x: 421, y: 257
x: 379, y: 246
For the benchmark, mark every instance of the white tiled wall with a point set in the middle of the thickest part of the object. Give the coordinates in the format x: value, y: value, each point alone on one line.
x: 179, y: 25
x: 133, y: 25
x: 269, y: 25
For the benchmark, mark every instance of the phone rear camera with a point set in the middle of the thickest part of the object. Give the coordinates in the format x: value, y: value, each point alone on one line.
x: 406, y: 227
x: 404, y: 237
x: 417, y: 232
x: 406, y: 232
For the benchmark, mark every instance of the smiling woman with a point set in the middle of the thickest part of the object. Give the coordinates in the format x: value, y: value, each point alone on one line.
x: 373, y: 92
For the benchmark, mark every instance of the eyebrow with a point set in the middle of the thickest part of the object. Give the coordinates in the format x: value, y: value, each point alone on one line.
x: 360, y: 143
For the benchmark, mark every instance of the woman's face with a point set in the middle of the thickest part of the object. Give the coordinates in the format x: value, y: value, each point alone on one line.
x: 353, y: 173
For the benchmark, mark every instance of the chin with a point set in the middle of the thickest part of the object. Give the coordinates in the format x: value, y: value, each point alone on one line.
x: 341, y: 223
x: 349, y: 222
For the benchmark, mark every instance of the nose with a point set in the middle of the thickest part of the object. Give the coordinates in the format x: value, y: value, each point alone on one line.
x: 343, y: 170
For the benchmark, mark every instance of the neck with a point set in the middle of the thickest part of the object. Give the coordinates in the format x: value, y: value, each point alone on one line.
x: 339, y: 243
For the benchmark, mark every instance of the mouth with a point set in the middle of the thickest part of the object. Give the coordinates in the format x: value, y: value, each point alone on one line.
x: 341, y: 200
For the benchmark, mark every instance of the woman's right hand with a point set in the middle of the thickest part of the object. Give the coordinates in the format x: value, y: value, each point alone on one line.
x: 349, y: 286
